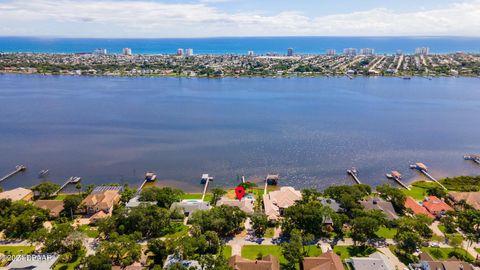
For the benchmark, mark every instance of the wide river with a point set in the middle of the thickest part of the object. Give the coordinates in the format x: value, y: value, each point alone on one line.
x: 309, y: 130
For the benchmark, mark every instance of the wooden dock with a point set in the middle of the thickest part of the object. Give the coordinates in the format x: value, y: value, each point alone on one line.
x: 205, y: 180
x: 397, y: 177
x: 71, y: 180
x: 422, y: 168
x: 474, y: 158
x: 353, y: 172
x: 18, y: 169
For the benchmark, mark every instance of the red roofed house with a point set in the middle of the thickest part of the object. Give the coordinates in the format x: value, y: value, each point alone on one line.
x: 416, y: 208
x: 436, y: 206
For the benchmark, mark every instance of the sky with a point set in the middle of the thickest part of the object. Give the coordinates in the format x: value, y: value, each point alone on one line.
x: 215, y: 18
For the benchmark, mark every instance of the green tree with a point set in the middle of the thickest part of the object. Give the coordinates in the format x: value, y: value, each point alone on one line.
x: 364, y: 229
x: 97, y: 262
x: 455, y: 240
x: 159, y: 250
x: 45, y: 189
x: 310, y: 194
x: 163, y: 196
x: 19, y: 220
x: 225, y: 220
x: 121, y: 250
x: 292, y: 250
x: 71, y: 204
x: 309, y: 218
x: 217, y: 193
x: 393, y: 195
x: 437, y: 191
x: 259, y: 224
x: 408, y: 241
x: 127, y: 194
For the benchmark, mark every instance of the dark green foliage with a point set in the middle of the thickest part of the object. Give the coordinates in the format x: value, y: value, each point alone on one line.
x: 348, y: 196
x: 309, y: 217
x: 364, y: 228
x: 159, y: 250
x: 393, y: 195
x: 163, y: 196
x: 408, y: 241
x: 217, y: 193
x: 418, y: 223
x: 71, y: 204
x: 45, y: 189
x: 98, y: 262
x: 127, y: 194
x: 462, y: 183
x: 20, y: 219
x: 224, y: 220
x: 259, y: 224
x: 293, y: 250
x: 437, y: 191
x: 121, y: 250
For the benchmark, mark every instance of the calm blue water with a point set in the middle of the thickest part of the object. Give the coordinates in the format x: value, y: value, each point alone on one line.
x: 310, y: 130
x: 261, y: 45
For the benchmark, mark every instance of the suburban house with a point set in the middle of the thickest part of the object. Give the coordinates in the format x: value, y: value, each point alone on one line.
x: 331, y: 203
x: 416, y: 208
x: 276, y: 201
x: 17, y: 194
x: 101, y: 200
x: 188, y: 207
x: 436, y: 206
x: 189, y: 264
x: 268, y: 262
x: 428, y: 263
x: 53, y: 206
x: 325, y: 261
x: 470, y: 198
x: 34, y: 262
x: 377, y: 203
x: 246, y: 204
x: 376, y: 261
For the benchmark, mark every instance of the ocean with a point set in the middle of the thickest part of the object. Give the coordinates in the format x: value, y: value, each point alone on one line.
x: 260, y: 45
x: 309, y: 130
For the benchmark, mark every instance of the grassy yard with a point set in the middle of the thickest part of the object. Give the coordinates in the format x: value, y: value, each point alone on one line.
x: 227, y: 251
x: 386, y: 233
x: 16, y: 250
x: 89, y: 231
x: 251, y: 251
x: 346, y: 252
x: 177, y: 230
x: 477, y: 249
x: 419, y: 189
x: 60, y: 197
x: 442, y: 253
x: 196, y: 196
x: 269, y: 232
x: 68, y: 266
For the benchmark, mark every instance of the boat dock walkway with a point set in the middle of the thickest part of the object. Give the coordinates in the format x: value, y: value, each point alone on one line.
x: 18, y: 168
x: 394, y: 175
x: 206, y: 179
x: 474, y: 158
x: 424, y: 170
x: 71, y: 180
x: 353, y: 172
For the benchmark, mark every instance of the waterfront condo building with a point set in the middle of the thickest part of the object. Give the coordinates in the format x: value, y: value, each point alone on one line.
x: 179, y: 52
x: 422, y: 50
x: 290, y: 52
x: 189, y: 52
x: 367, y: 51
x: 127, y: 51
x: 100, y: 51
x: 250, y: 53
x: 350, y: 51
x: 331, y: 52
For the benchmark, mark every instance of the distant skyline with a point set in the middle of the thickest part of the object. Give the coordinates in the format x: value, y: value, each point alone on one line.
x: 217, y: 18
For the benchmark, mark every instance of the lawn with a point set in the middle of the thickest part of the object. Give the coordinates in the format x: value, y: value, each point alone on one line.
x: 419, y: 189
x: 227, y: 251
x: 251, y: 251
x: 16, y: 250
x: 346, y: 252
x: 269, y: 232
x: 442, y: 253
x: 177, y: 230
x: 68, y: 266
x: 91, y: 232
x: 386, y: 233
x: 477, y: 249
x: 60, y: 197
x: 196, y: 196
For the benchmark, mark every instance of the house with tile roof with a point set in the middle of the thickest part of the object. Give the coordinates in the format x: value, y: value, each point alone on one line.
x: 101, y: 201
x: 470, y: 198
x: 17, y: 194
x: 276, y: 201
x: 377, y: 203
x: 53, y: 206
x: 268, y: 262
x: 326, y: 261
x: 436, y: 206
x: 416, y: 208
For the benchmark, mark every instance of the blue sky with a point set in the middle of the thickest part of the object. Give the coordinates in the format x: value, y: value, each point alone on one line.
x: 205, y: 18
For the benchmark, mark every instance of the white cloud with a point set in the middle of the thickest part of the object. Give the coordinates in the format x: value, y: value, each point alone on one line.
x: 89, y: 18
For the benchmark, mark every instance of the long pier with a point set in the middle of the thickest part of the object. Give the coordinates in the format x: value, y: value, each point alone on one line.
x: 18, y: 168
x: 474, y: 158
x: 70, y: 180
x: 206, y: 179
x: 424, y: 170
x: 354, y: 174
x: 394, y: 175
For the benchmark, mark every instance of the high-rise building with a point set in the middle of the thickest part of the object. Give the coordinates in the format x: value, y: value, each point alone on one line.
x: 250, y: 53
x: 290, y: 52
x: 100, y: 51
x: 367, y: 51
x: 189, y: 52
x: 127, y: 51
x: 422, y: 50
x: 350, y: 51
x: 331, y: 52
x: 179, y: 52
